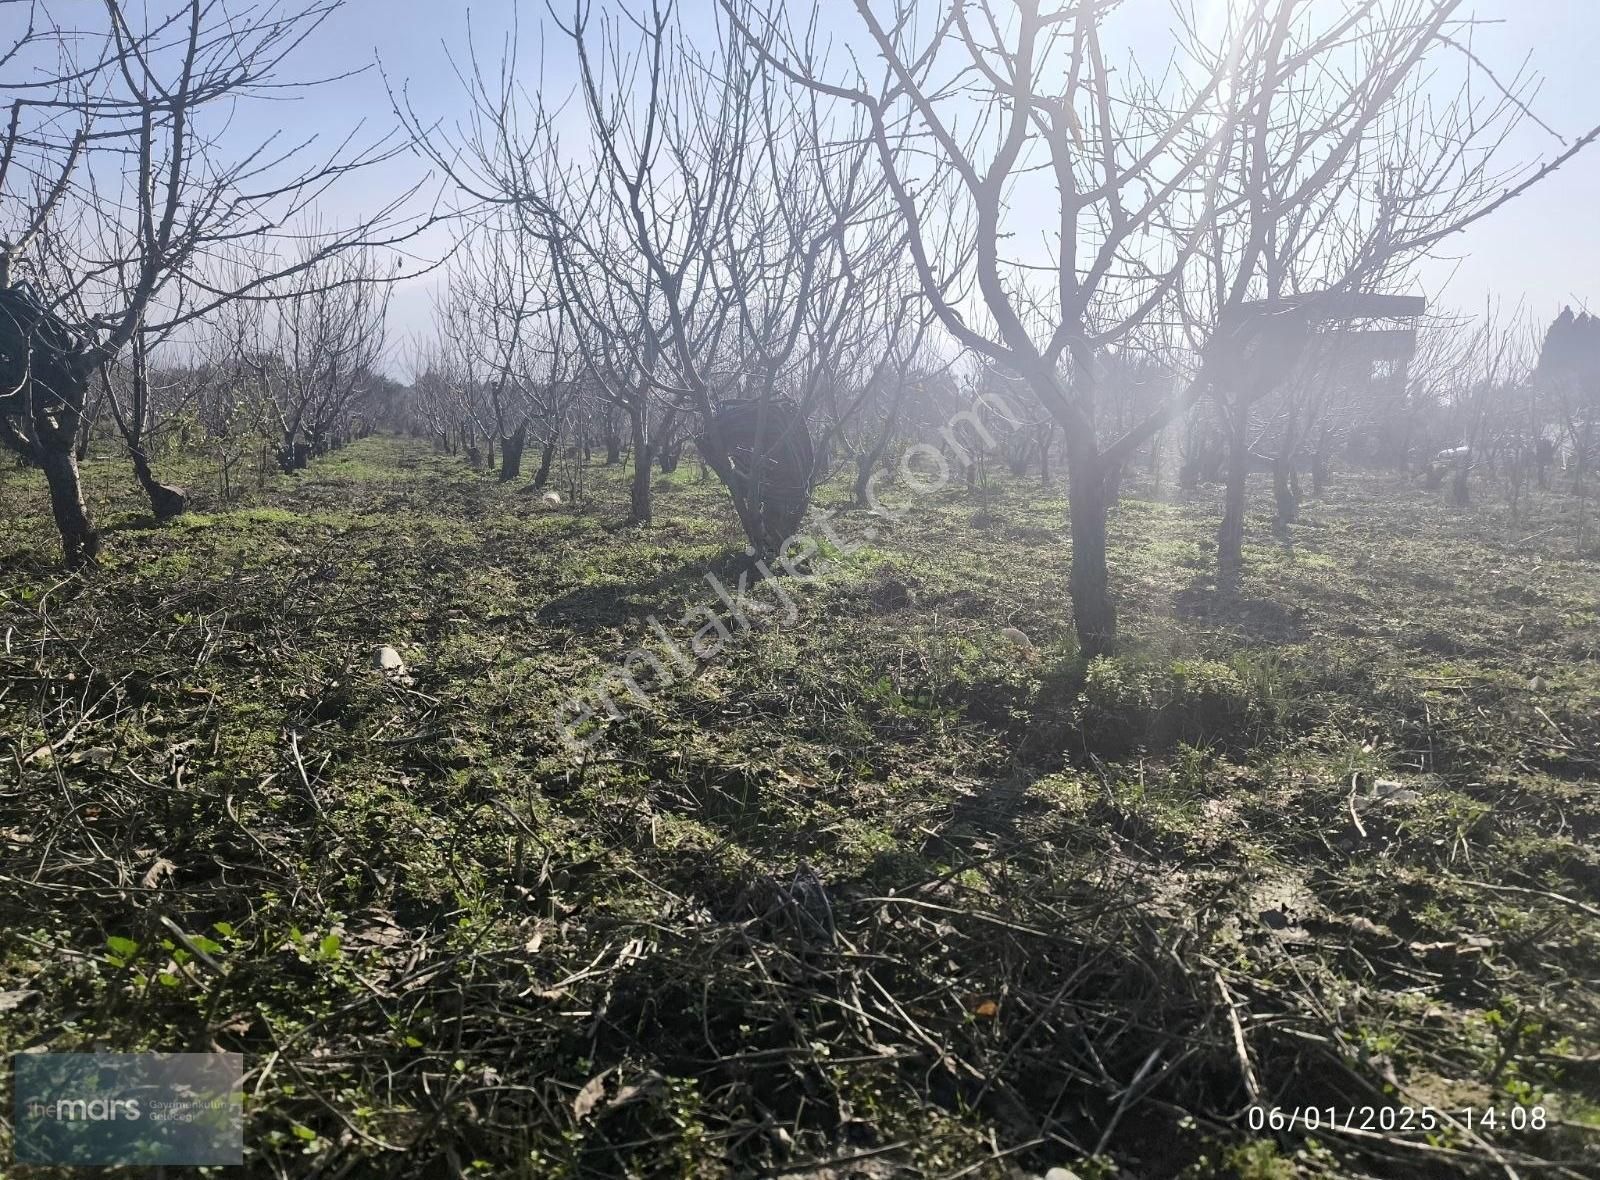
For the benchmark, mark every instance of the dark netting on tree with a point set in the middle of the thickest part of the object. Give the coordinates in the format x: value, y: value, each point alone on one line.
x: 37, y: 348
x: 774, y: 490
x: 34, y: 342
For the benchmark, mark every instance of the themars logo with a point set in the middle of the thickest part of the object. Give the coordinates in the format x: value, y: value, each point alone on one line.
x: 105, y: 1109
x: 98, y: 1110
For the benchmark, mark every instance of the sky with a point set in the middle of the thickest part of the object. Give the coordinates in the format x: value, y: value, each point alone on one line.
x: 1542, y: 251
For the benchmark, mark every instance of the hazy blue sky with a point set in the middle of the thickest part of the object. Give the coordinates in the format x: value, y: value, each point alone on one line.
x: 1545, y: 248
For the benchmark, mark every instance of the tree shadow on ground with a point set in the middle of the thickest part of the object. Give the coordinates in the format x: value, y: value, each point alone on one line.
x: 593, y: 608
x: 1257, y: 620
x: 25, y: 559
x: 134, y: 523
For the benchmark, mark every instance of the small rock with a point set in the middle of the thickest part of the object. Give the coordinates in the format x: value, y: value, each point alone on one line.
x: 551, y: 498
x: 15, y: 999
x: 95, y: 756
x: 1061, y: 1174
x: 1018, y: 637
x: 386, y: 660
x: 1387, y: 790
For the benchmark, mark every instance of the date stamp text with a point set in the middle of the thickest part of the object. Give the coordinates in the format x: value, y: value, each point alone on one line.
x: 1486, y: 1120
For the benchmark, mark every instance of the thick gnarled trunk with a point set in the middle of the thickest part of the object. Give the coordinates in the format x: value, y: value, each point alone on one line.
x: 547, y: 456
x: 80, y: 543
x: 762, y: 452
x: 166, y: 500
x: 511, y: 448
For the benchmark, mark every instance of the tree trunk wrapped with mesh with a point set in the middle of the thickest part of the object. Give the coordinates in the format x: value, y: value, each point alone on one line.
x: 44, y: 377
x: 762, y: 450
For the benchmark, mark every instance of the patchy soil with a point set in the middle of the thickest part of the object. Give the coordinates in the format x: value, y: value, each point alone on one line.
x: 877, y: 892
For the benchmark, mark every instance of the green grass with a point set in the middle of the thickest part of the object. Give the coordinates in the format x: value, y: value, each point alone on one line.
x: 442, y: 926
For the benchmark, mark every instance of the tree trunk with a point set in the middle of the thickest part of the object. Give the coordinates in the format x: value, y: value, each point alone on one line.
x: 1089, y: 497
x: 1044, y: 452
x: 662, y: 449
x: 1113, y: 479
x: 639, y: 497
x: 166, y: 501
x: 613, y: 449
x: 547, y: 455
x: 1019, y: 459
x: 511, y: 453
x: 1319, y: 463
x: 1286, y: 499
x: 1230, y: 536
x: 80, y: 543
x: 865, y: 464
